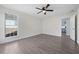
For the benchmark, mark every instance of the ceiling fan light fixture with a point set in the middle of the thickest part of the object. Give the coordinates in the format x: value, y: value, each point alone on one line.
x: 44, y: 11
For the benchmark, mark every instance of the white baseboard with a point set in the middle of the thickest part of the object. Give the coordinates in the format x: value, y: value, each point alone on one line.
x: 52, y: 34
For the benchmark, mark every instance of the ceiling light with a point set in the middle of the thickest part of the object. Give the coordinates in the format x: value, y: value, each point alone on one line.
x: 44, y: 11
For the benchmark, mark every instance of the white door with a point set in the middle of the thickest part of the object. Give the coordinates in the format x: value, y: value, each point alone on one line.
x: 72, y: 27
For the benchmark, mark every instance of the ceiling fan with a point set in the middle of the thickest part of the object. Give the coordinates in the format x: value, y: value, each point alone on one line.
x: 44, y: 9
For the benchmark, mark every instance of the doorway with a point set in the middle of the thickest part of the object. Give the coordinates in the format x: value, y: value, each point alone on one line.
x: 69, y: 27
x: 65, y: 27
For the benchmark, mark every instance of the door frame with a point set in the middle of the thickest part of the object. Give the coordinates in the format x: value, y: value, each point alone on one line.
x: 75, y: 28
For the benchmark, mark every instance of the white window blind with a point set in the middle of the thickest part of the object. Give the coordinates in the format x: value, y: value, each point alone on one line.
x: 10, y: 20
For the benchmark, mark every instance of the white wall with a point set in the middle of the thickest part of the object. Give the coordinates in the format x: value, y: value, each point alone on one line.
x: 72, y: 27
x: 30, y: 26
x: 52, y: 26
x: 1, y: 25
x: 78, y: 25
x: 27, y: 25
x: 68, y: 26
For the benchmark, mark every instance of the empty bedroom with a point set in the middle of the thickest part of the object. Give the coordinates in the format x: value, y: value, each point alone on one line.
x: 39, y: 28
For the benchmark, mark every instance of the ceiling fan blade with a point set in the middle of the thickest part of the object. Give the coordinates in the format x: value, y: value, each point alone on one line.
x: 47, y: 5
x: 49, y: 10
x: 38, y: 8
x: 39, y: 12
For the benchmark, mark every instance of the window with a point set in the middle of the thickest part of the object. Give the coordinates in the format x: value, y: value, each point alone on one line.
x: 10, y: 23
x: 10, y: 20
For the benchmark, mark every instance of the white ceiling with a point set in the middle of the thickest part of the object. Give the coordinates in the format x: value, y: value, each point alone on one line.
x: 59, y: 9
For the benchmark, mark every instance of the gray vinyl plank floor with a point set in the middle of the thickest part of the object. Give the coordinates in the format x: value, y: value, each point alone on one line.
x: 41, y: 44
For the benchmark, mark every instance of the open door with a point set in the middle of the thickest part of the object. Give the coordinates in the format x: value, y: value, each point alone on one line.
x: 73, y: 28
